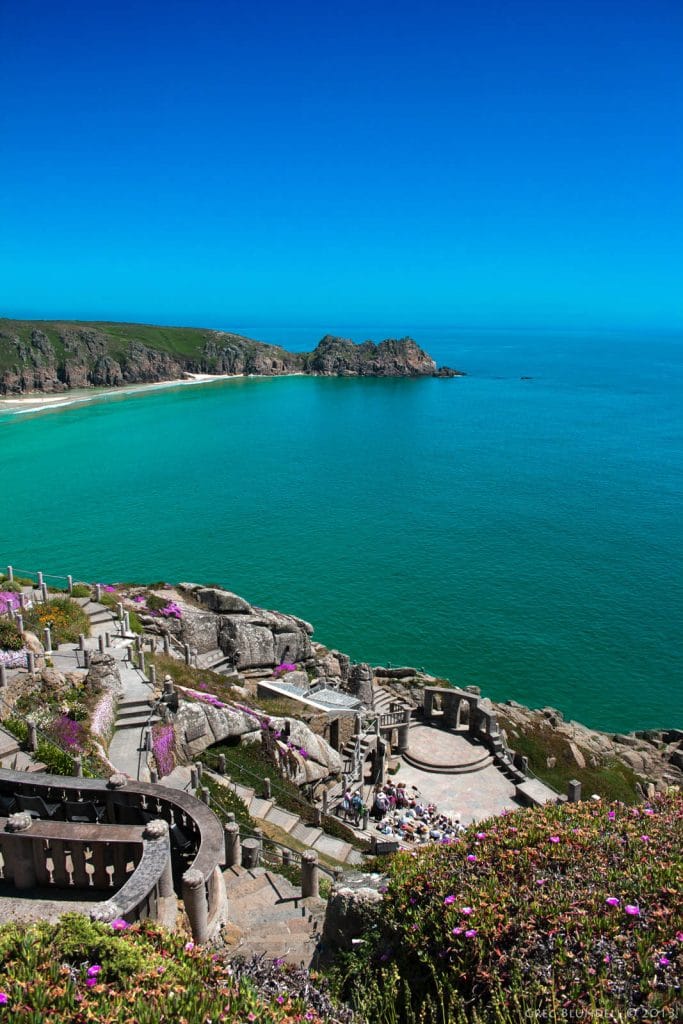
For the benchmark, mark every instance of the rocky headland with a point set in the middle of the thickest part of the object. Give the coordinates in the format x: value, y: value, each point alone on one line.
x: 55, y: 356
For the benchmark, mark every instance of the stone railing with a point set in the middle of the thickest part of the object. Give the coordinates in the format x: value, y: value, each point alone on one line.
x: 195, y: 840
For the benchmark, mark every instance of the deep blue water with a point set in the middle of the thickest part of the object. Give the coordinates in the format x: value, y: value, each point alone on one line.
x: 524, y: 535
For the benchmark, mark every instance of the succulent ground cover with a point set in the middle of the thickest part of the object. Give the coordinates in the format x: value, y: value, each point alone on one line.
x: 79, y: 970
x: 65, y: 618
x: 570, y: 908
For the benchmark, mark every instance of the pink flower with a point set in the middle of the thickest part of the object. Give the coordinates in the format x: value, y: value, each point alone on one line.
x: 679, y: 936
x: 612, y: 901
x: 119, y: 925
x: 646, y: 839
x: 664, y: 961
x: 470, y: 933
x: 632, y: 910
x: 481, y: 835
x: 541, y: 881
x: 90, y: 982
x: 471, y: 858
x: 94, y: 970
x: 457, y: 931
x: 467, y: 911
x: 554, y: 839
x: 188, y: 947
x: 449, y: 899
x: 612, y: 815
x: 648, y: 810
x: 607, y: 959
x: 4, y: 998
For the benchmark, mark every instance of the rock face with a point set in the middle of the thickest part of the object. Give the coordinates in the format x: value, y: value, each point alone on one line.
x: 199, y: 725
x: 350, y: 914
x: 54, y: 356
x: 343, y: 358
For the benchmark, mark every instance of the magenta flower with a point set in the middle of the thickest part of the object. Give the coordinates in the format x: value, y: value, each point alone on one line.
x: 119, y: 925
x: 481, y: 835
x: 94, y: 970
x: 632, y: 910
x: 612, y: 901
x: 541, y: 881
x: 457, y: 931
x: 4, y: 998
x: 470, y: 933
x: 471, y: 858
x: 467, y: 911
x: 646, y: 839
x: 612, y: 815
x: 664, y: 961
x: 607, y: 959
x: 109, y: 589
x: 648, y: 810
x: 449, y: 899
x: 90, y: 982
x: 679, y: 936
x: 554, y: 839
x: 188, y: 947
x: 139, y: 599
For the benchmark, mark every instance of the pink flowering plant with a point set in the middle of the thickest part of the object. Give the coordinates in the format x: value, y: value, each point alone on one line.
x: 163, y: 741
x: 563, y: 906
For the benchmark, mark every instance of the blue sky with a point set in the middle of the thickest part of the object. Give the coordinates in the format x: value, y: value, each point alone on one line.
x: 207, y: 162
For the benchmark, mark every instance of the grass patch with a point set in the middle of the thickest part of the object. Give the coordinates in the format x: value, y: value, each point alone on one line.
x: 612, y: 780
x: 192, y: 678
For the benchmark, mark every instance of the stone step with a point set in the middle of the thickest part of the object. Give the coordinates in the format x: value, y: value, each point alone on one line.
x: 306, y: 834
x: 282, y: 818
x: 245, y: 793
x: 21, y: 762
x: 338, y: 849
x: 259, y: 808
x: 137, y: 722
x: 134, y: 709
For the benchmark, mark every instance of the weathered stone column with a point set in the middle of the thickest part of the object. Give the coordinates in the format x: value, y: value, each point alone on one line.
x: 157, y: 831
x: 114, y: 783
x: 205, y: 795
x: 450, y: 702
x: 309, y: 874
x: 153, y: 776
x: 47, y: 640
x: 10, y: 574
x: 43, y: 593
x: 233, y: 845
x: 267, y: 790
x: 20, y: 854
x: 101, y: 643
x: 574, y: 791
x: 221, y: 764
x: 167, y: 644
x: 427, y: 703
x: 153, y: 676
x: 31, y: 663
x: 81, y: 641
x: 251, y: 851
x: 70, y: 584
x: 403, y: 731
x: 194, y: 777
x: 3, y: 676
x: 32, y: 735
x: 20, y: 622
x: 196, y: 907
x: 78, y: 766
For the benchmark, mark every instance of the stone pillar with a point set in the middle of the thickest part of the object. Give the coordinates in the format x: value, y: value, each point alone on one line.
x: 23, y: 600
x: 267, y: 790
x: 167, y: 644
x: 309, y: 874
x: 81, y: 641
x: 20, y: 853
x: 43, y: 592
x: 153, y: 776
x: 98, y: 593
x: 200, y: 769
x: 101, y: 643
x: 3, y: 676
x: 157, y: 832
x: 70, y: 584
x: 47, y: 640
x: 358, y: 724
x: 317, y: 817
x: 194, y: 777
x: 196, y: 907
x: 188, y: 654
x: 114, y: 783
x: 573, y: 791
x: 427, y: 703
x: 251, y: 851
x: 19, y: 620
x: 450, y: 702
x: 32, y: 735
x: 221, y: 764
x: 153, y: 676
x: 233, y: 846
x: 107, y: 639
x: 141, y: 662
x: 169, y: 687
x: 138, y: 643
x: 205, y: 795
x: 41, y: 581
x: 87, y: 655
x: 119, y: 611
x: 126, y: 622
x: 10, y: 574
x: 403, y: 730
x: 148, y: 740
x: 78, y: 766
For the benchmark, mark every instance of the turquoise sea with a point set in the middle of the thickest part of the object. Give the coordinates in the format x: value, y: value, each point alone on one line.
x: 523, y: 535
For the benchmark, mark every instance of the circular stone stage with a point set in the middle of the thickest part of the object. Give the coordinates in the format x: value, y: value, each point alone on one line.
x: 439, y: 750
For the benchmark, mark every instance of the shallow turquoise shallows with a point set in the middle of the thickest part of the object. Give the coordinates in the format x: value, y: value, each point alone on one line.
x: 522, y: 535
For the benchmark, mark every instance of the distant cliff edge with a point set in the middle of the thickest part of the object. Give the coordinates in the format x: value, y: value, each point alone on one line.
x: 53, y: 356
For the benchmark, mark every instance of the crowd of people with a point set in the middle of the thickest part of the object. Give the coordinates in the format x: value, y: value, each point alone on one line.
x: 401, y: 814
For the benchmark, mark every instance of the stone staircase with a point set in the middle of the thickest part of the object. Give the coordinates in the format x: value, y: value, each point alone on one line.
x: 102, y: 619
x: 269, y: 917
x: 215, y: 661
x: 15, y: 759
x: 134, y: 713
x: 310, y: 836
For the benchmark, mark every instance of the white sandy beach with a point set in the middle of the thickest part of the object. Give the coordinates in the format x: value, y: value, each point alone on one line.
x: 36, y: 401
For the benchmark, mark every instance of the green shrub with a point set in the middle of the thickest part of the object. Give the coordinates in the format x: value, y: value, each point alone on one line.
x: 155, y: 603
x: 10, y: 586
x: 65, y: 618
x: 81, y: 590
x: 79, y: 970
x: 515, y: 912
x: 10, y: 637
x: 18, y: 727
x: 56, y: 760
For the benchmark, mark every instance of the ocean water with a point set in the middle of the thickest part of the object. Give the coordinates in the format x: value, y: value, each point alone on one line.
x: 524, y: 535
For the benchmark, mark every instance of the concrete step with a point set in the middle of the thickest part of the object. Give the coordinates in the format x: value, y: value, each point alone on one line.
x: 245, y: 793
x: 138, y: 722
x: 134, y: 709
x: 306, y: 834
x: 21, y: 762
x: 337, y: 849
x: 282, y: 818
x: 259, y: 808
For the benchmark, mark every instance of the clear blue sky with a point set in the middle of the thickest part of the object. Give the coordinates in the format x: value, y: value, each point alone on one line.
x: 488, y: 162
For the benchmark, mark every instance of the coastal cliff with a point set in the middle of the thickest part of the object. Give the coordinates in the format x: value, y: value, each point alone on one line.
x: 55, y: 356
